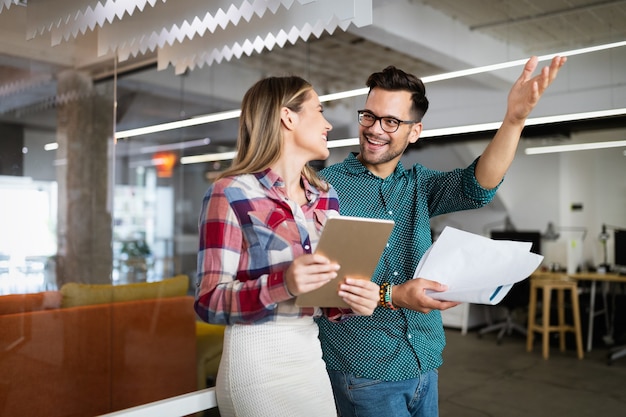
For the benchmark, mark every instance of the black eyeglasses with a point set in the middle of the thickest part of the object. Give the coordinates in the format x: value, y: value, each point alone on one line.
x: 388, y: 124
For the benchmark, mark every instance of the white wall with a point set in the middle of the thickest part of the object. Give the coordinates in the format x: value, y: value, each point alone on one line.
x: 541, y: 188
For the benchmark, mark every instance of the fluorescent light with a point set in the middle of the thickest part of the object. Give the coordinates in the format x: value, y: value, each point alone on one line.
x: 483, y: 127
x: 344, y: 94
x: 575, y: 147
x: 176, y: 146
x: 342, y: 143
x: 207, y: 158
x: 447, y: 131
x: 515, y: 63
x: 232, y: 114
x: 480, y: 70
x: 200, y: 120
x: 458, y: 130
x: 575, y: 116
x: 51, y: 146
x: 224, y: 156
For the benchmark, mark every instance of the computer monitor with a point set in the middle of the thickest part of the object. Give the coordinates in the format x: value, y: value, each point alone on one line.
x: 534, y: 237
x: 620, y: 249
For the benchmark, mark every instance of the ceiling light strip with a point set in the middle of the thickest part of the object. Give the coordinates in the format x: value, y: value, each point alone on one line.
x: 196, y: 159
x: 344, y: 94
x: 445, y: 131
x: 176, y: 146
x: 459, y: 130
x: 485, y: 68
x: 576, y: 116
x: 363, y: 91
x: 200, y: 120
x: 224, y: 156
x: 575, y: 147
x: 341, y: 143
x: 518, y: 62
x: 483, y: 127
x: 456, y: 130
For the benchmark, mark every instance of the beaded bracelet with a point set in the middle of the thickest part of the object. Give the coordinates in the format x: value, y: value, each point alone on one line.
x: 381, y: 293
x: 385, y: 296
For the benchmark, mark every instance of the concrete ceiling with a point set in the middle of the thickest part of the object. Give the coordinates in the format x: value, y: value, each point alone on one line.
x: 425, y: 37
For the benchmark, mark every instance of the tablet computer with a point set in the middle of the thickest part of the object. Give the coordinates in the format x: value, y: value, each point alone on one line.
x: 356, y: 244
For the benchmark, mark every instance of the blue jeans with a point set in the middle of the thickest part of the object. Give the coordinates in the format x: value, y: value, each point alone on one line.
x: 362, y: 397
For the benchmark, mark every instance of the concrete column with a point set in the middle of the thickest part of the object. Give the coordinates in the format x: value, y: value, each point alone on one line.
x: 85, y: 128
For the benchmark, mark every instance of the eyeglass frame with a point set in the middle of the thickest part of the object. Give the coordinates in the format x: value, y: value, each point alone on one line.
x: 379, y: 119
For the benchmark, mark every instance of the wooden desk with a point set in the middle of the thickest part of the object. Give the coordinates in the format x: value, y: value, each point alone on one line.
x: 593, y: 277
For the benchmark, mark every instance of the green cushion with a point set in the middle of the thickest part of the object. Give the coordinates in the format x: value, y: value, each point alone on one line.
x: 75, y: 294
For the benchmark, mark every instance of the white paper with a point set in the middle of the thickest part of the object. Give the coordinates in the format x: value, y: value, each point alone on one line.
x: 476, y: 269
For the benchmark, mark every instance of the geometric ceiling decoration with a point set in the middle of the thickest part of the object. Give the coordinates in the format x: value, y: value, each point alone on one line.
x: 190, y: 33
x: 174, y: 22
x: 69, y: 18
x: 15, y: 80
x: 257, y: 27
x: 6, y: 3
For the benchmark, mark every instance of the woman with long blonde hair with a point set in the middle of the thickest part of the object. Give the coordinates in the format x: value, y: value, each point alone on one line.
x: 259, y: 224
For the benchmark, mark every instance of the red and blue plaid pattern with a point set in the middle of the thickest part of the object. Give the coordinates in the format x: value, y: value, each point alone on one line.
x: 250, y: 232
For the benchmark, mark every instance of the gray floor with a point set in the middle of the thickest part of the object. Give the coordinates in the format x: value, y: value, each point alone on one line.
x: 481, y: 378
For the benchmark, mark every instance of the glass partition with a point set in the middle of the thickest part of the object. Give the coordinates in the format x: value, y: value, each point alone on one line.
x: 98, y: 230
x: 97, y: 243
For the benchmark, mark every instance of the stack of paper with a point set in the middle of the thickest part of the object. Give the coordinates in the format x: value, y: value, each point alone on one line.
x: 476, y: 269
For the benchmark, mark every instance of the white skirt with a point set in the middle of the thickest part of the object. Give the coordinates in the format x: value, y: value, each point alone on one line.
x: 274, y: 369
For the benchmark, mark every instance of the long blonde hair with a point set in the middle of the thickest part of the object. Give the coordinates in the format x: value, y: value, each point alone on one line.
x: 259, y: 142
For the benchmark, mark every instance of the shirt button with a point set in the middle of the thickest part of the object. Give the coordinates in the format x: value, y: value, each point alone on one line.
x: 306, y: 247
x: 390, y: 212
x: 395, y: 273
x: 408, y: 336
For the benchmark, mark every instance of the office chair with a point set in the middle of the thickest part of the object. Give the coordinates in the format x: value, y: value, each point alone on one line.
x: 519, y: 295
x: 516, y: 300
x: 616, y: 353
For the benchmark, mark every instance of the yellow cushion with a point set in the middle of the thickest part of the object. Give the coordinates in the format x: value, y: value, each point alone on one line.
x: 209, y: 341
x: 208, y: 330
x: 75, y: 294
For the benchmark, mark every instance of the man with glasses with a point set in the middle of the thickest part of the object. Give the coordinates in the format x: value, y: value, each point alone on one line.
x: 386, y: 364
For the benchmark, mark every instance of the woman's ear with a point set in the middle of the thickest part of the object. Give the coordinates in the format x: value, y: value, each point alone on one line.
x: 287, y: 118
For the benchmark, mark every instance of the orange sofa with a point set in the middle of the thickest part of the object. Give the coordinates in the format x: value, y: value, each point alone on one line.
x: 103, y: 349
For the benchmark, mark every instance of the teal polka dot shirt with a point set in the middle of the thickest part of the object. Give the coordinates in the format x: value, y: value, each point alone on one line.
x: 394, y: 345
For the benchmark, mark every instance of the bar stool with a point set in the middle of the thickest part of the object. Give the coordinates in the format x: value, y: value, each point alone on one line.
x: 559, y: 283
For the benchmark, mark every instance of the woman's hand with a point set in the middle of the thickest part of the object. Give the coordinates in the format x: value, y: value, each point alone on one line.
x: 309, y: 272
x: 360, y: 294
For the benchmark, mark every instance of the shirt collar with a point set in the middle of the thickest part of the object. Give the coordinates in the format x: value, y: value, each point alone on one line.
x: 356, y: 167
x: 270, y: 180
